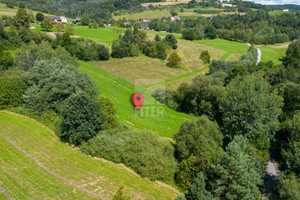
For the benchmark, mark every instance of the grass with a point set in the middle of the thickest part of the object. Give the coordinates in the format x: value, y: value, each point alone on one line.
x: 103, y: 35
x: 4, y: 10
x: 147, y: 14
x: 121, y: 91
x: 150, y: 69
x: 276, y: 12
x: 274, y: 54
x: 228, y: 46
x: 23, y: 178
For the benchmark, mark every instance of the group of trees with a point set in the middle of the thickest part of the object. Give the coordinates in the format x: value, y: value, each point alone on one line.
x: 254, y: 108
x: 255, y: 27
x: 135, y: 41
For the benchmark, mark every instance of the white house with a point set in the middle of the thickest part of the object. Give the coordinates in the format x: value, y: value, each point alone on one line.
x: 64, y: 19
x: 285, y: 10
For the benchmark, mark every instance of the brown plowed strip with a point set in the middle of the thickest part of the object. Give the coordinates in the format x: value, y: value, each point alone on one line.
x: 52, y: 172
x: 5, y: 193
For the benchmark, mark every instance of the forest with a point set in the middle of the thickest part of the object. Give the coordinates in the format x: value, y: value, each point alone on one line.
x: 242, y: 110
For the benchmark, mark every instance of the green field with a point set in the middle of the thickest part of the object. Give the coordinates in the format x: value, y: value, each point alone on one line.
x: 35, y: 164
x: 4, y: 10
x: 147, y: 14
x: 274, y: 54
x: 228, y: 46
x: 121, y: 91
x: 103, y: 35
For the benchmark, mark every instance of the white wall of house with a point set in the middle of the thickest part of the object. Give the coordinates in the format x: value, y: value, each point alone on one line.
x: 64, y: 19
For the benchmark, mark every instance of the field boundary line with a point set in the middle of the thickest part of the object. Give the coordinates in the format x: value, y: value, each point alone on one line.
x: 52, y: 172
x: 3, y: 190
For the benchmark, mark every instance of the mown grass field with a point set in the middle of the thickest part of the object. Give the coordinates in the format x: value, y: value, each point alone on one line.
x: 103, y: 35
x: 121, y: 92
x: 228, y: 46
x: 35, y: 164
x: 274, y: 54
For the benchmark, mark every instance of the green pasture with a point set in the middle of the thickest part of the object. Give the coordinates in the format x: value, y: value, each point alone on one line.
x: 274, y: 54
x: 103, y: 35
x: 24, y: 178
x: 121, y: 91
x: 229, y: 46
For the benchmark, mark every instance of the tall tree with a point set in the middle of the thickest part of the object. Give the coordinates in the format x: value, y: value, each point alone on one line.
x: 237, y: 177
x: 251, y: 108
x: 198, y: 146
x: 22, y: 19
x: 197, y: 189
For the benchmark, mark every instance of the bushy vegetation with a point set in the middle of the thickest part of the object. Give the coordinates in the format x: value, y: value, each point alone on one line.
x: 144, y: 152
x: 51, y: 82
x: 198, y: 146
x: 11, y: 91
x: 81, y: 118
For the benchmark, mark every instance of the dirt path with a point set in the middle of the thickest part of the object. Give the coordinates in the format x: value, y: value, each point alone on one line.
x: 258, y: 53
x: 271, y: 177
x: 52, y: 172
x: 5, y: 193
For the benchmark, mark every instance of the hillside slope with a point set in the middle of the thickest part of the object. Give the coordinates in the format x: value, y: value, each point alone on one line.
x: 35, y: 164
x: 120, y: 92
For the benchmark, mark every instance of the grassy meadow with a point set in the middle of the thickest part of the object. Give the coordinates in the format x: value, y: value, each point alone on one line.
x: 4, y: 10
x: 120, y: 92
x: 35, y: 164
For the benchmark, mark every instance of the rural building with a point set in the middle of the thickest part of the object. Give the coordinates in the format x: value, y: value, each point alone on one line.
x: 163, y: 19
x: 55, y: 19
x: 176, y: 17
x: 145, y: 26
x: 145, y: 6
x: 285, y: 10
x: 77, y: 20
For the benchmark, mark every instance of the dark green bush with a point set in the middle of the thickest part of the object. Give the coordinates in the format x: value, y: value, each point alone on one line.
x: 144, y: 152
x: 81, y: 119
x: 11, y: 91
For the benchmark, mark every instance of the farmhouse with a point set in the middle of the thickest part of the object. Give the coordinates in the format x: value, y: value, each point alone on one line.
x: 176, y: 17
x: 77, y: 20
x: 145, y: 26
x: 163, y: 19
x: 55, y: 19
x: 285, y: 10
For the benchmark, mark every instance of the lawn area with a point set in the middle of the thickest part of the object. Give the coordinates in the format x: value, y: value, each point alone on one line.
x: 103, y: 35
x: 276, y: 12
x: 35, y: 164
x: 147, y: 14
x: 271, y: 53
x: 120, y: 92
x: 228, y: 46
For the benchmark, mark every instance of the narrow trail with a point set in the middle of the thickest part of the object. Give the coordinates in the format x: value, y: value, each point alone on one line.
x: 258, y: 53
x: 52, y: 172
x: 271, y: 177
x: 6, y: 193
